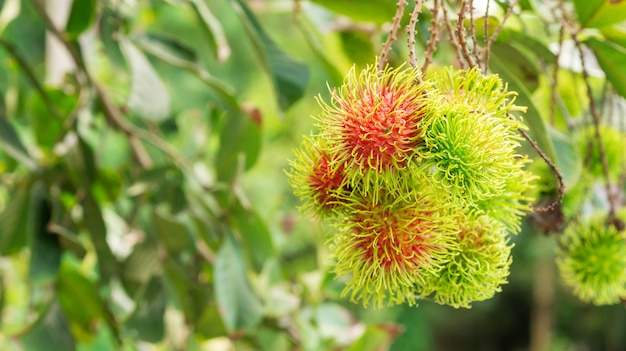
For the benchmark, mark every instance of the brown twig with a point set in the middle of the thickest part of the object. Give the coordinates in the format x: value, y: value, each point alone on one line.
x: 393, y: 31
x: 460, y: 32
x: 473, y: 32
x: 497, y: 31
x: 410, y: 30
x: 485, y: 53
x: 451, y: 34
x: 434, y: 37
x: 111, y: 112
x: 555, y: 171
x: 595, y: 116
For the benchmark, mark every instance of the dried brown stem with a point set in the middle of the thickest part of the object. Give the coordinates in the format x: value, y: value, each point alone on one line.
x: 434, y: 37
x: 393, y: 31
x: 497, y: 31
x: 485, y: 52
x: 410, y: 30
x: 473, y: 31
x: 595, y: 116
x: 460, y: 32
x: 555, y: 171
x: 452, y: 35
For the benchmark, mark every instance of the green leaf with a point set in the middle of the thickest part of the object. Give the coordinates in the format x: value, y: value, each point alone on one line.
x: 378, y: 11
x: 147, y: 322
x: 45, y: 248
x: 171, y: 232
x: 612, y: 59
x: 177, y: 54
x: 290, y: 77
x: 567, y: 158
x: 92, y: 217
x: 615, y: 34
x: 532, y: 117
x: 50, y: 330
x: 104, y: 340
x: 536, y: 47
x: 240, y: 144
x: 148, y: 95
x: 599, y: 13
x: 15, y: 220
x: 140, y: 266
x: 257, y: 238
x: 167, y: 48
x: 518, y: 64
x: 45, y: 126
x: 81, y: 17
x: 217, y: 38
x: 79, y: 298
x: 239, y: 306
x: 12, y: 146
x: 10, y: 11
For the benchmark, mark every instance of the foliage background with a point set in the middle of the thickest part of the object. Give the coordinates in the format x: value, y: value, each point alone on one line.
x: 143, y: 195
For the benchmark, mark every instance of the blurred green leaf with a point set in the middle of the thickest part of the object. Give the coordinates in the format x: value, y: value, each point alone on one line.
x: 15, y: 219
x: 45, y: 248
x: 518, y: 64
x: 92, y: 217
x: 536, y: 47
x: 217, y: 38
x: 171, y: 232
x: 167, y: 48
x: 378, y: 11
x: 615, y: 34
x: 240, y: 141
x: 177, y: 54
x: 290, y: 77
x: 12, y: 146
x: 149, y: 97
x: 358, y: 47
x: 45, y: 126
x: 612, y: 59
x: 50, y: 330
x: 255, y: 235
x: 104, y: 340
x: 599, y: 13
x: 140, y: 266
x: 567, y: 158
x: 374, y: 338
x: 10, y: 11
x: 79, y: 298
x: 239, y: 306
x: 82, y: 15
x: 532, y: 117
x: 147, y: 323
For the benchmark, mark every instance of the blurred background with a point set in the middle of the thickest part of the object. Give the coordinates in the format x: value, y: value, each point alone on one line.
x: 143, y: 148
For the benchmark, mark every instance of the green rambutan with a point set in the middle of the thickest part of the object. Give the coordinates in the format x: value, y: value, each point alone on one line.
x: 592, y: 261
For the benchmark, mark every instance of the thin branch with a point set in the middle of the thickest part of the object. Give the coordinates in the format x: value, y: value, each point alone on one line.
x: 410, y: 30
x: 593, y: 109
x: 496, y: 32
x: 453, y: 37
x: 434, y: 37
x: 460, y: 32
x: 30, y: 75
x: 393, y: 31
x: 473, y: 32
x: 555, y: 171
x: 112, y: 113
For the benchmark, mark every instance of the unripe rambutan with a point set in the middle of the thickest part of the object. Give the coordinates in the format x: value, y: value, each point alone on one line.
x: 479, y: 269
x: 592, y: 261
x: 374, y: 123
x: 388, y: 248
x: 469, y: 145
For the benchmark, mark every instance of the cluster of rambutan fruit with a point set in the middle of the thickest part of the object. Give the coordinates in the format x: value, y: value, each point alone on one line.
x: 421, y: 178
